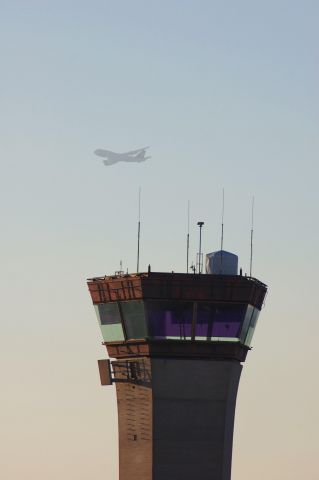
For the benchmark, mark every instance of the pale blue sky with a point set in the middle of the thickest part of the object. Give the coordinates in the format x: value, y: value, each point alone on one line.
x: 226, y: 95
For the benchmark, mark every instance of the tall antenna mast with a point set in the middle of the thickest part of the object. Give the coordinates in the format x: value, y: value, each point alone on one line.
x: 223, y: 211
x: 138, y: 230
x: 200, y: 224
x: 222, y: 233
x: 187, y: 241
x: 251, y: 236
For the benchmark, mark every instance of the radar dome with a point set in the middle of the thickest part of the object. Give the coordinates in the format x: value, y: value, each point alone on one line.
x: 222, y: 263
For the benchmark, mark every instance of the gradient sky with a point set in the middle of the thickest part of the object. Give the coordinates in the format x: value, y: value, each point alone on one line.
x: 226, y: 95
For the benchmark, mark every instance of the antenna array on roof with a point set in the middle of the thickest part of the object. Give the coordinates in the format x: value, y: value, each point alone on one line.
x: 223, y: 211
x: 187, y: 240
x: 138, y: 230
x: 251, y: 236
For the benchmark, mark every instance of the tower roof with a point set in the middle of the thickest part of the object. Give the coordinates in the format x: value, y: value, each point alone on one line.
x: 178, y: 286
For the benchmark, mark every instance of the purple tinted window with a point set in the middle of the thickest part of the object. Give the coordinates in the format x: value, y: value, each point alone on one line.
x: 205, y: 318
x: 227, y: 329
x: 169, y: 319
x: 219, y: 320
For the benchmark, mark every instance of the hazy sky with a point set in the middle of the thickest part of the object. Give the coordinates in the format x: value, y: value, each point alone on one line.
x: 226, y: 95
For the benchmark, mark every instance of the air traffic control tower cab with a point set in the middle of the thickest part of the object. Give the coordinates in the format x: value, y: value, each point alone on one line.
x: 176, y: 343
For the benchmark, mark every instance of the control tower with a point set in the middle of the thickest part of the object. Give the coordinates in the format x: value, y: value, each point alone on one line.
x: 176, y: 343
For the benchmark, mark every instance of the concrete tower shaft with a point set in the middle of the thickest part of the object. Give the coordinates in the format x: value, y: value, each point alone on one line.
x: 176, y: 417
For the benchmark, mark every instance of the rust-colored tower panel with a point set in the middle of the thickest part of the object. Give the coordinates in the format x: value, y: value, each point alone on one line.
x: 135, y: 419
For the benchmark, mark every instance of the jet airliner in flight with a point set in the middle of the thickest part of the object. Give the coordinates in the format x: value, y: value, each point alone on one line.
x: 112, y: 157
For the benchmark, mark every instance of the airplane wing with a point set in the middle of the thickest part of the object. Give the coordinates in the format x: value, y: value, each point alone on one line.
x: 134, y: 152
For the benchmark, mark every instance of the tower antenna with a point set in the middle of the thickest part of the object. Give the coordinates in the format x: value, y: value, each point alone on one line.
x: 187, y: 240
x: 200, y: 224
x: 223, y: 211
x: 138, y: 229
x: 251, y: 236
x: 222, y: 232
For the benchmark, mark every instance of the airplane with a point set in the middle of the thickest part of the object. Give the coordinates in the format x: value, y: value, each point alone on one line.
x: 112, y: 157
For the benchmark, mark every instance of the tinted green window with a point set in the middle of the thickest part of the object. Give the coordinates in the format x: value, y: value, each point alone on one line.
x: 246, y: 323
x: 108, y: 313
x: 109, y: 318
x: 252, y: 326
x: 112, y: 333
x: 134, y: 319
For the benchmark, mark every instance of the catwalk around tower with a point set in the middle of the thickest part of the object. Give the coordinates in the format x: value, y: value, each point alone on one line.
x: 176, y: 343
